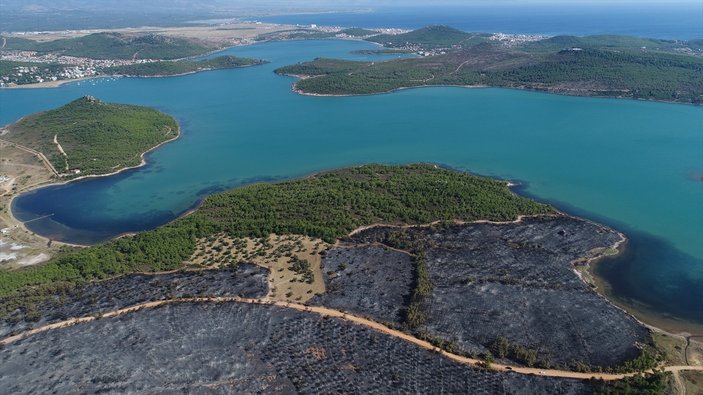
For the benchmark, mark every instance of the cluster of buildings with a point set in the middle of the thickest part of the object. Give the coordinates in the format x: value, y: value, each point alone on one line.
x: 21, y: 75
x: 515, y: 39
x: 52, y: 67
x: 32, y: 56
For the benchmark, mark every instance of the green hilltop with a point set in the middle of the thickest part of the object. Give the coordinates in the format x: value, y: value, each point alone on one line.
x: 430, y: 37
x: 97, y: 137
x: 609, y: 66
x: 112, y: 45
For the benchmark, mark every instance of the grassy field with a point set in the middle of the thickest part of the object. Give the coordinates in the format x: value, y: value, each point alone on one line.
x: 97, y: 137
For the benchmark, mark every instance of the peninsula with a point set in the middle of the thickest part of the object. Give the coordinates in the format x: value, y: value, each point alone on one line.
x: 130, y: 52
x: 608, y: 66
x: 375, y: 257
x: 90, y: 137
x: 170, y: 68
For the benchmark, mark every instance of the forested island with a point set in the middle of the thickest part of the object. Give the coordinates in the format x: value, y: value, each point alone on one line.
x: 91, y: 137
x: 610, y: 66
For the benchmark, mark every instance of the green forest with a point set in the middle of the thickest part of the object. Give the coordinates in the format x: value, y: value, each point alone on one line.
x: 112, y: 45
x: 97, y: 137
x: 328, y: 206
x: 587, y: 72
x: 164, y: 68
x: 431, y: 37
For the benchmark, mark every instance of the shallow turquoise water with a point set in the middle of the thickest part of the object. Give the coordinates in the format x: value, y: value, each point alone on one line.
x: 634, y: 165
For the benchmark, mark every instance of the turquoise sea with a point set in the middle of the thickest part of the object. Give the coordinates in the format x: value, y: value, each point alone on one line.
x: 633, y: 165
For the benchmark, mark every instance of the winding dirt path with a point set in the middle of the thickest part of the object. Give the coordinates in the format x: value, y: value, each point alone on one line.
x: 60, y: 148
x: 327, y: 312
x: 35, y: 153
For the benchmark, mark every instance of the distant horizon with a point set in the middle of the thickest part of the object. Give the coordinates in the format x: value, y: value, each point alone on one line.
x: 680, y: 19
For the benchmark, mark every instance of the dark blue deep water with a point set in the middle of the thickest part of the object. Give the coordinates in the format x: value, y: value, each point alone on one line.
x: 668, y: 20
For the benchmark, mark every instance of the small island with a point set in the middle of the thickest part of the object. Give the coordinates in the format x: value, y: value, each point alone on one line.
x: 89, y: 137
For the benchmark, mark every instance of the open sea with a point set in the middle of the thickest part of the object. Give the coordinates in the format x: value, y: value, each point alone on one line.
x: 672, y: 20
x: 633, y: 165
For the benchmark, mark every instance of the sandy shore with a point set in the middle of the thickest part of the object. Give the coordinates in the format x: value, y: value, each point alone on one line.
x: 54, y: 84
x: 16, y: 222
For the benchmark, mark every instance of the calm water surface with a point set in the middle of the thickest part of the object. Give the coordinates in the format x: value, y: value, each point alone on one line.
x: 670, y: 20
x: 633, y: 165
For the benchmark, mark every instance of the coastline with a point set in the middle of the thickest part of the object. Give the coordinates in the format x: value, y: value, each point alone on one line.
x: 657, y: 323
x: 55, y: 84
x: 651, y: 319
x: 640, y: 314
x: 21, y: 224
x: 295, y: 89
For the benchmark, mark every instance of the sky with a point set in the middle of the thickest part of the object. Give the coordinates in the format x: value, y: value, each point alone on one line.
x: 93, y: 4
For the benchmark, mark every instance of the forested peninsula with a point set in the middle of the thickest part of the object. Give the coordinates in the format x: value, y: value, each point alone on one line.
x: 91, y: 137
x: 609, y: 66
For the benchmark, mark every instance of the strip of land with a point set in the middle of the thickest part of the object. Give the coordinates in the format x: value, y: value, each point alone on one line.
x: 315, y: 238
x: 603, y: 66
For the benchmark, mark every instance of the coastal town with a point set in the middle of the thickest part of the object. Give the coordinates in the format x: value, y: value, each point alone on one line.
x: 24, y: 67
x: 29, y: 67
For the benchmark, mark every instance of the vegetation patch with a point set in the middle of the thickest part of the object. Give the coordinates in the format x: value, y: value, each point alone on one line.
x: 430, y: 37
x: 294, y: 261
x: 87, y: 136
x: 113, y: 45
x: 325, y: 206
x: 645, y: 384
x: 416, y: 314
x: 165, y: 68
x: 574, y: 66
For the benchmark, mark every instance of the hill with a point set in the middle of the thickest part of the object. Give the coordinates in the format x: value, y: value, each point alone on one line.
x: 115, y: 46
x: 92, y: 136
x: 615, y: 42
x: 430, y: 37
x: 581, y: 71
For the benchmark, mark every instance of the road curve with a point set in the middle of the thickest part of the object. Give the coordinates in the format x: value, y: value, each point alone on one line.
x: 327, y: 312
